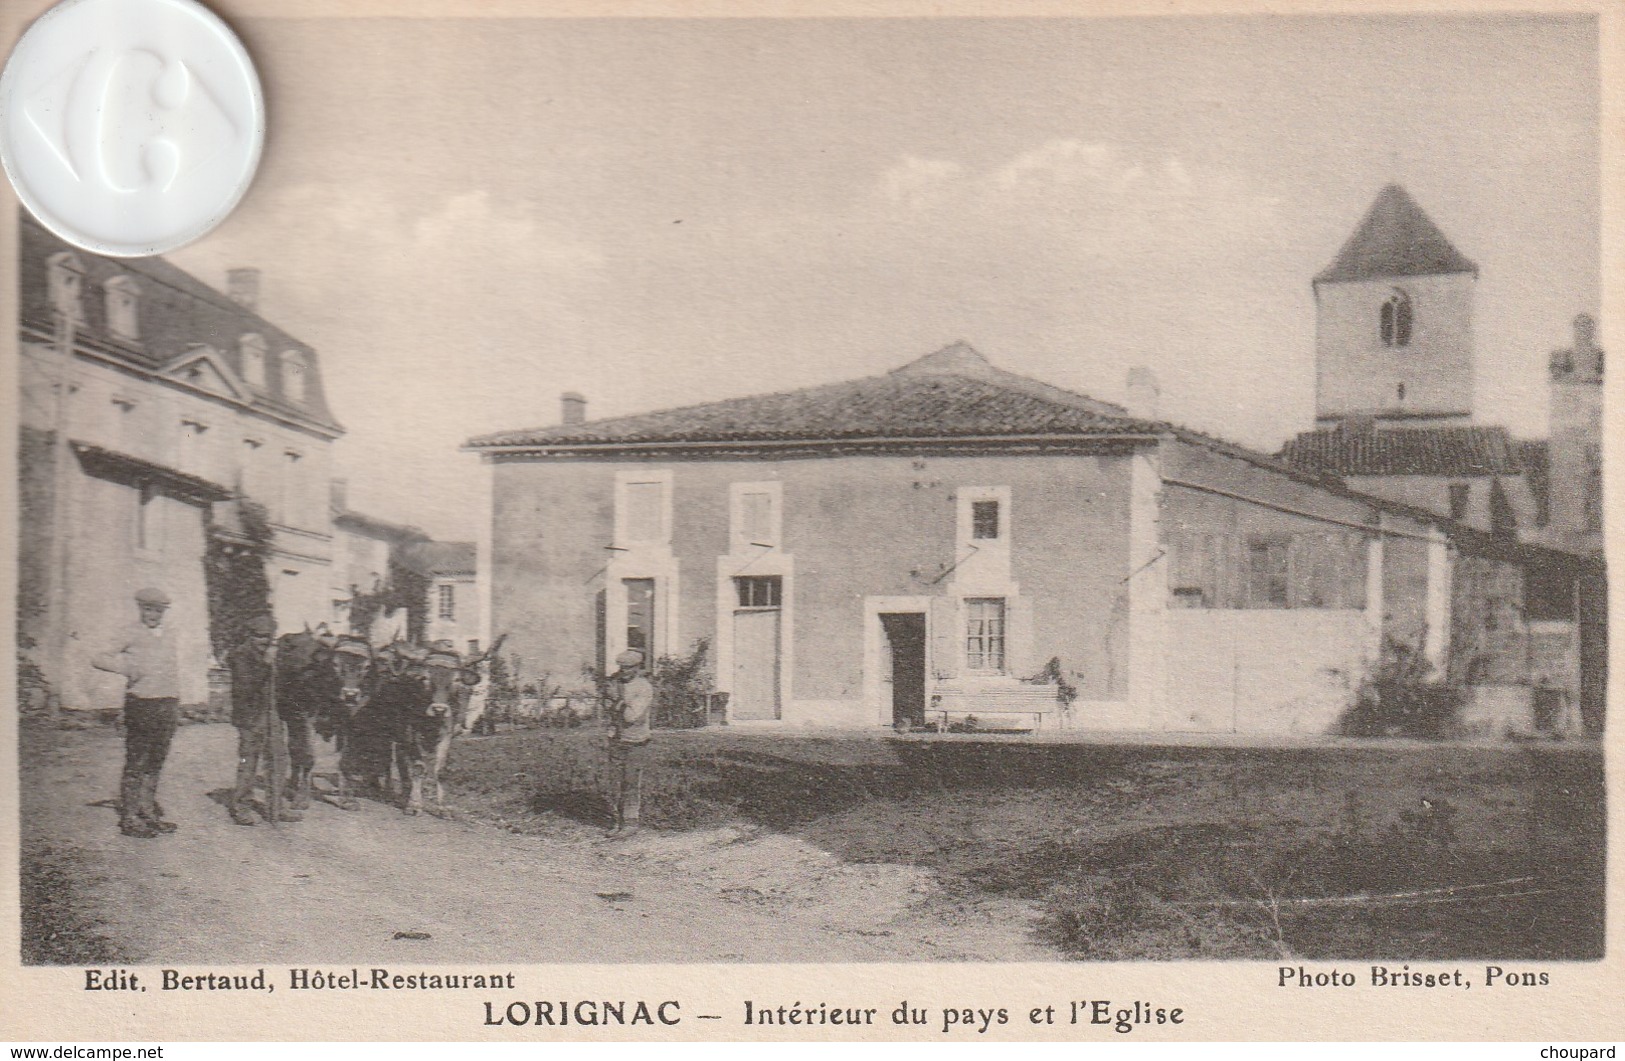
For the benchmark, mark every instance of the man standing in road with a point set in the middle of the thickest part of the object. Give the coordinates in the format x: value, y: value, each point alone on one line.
x: 150, y: 663
x: 252, y: 693
x: 631, y: 702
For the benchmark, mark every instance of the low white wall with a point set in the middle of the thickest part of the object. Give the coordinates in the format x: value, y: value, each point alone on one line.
x: 817, y: 714
x: 1497, y: 711
x: 1265, y: 670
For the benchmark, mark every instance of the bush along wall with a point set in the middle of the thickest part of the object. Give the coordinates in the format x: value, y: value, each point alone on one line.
x: 408, y: 588
x: 1403, y: 699
x: 234, y: 573
x: 682, y: 684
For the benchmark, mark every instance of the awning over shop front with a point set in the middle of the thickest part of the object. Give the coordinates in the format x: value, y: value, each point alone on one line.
x: 127, y: 468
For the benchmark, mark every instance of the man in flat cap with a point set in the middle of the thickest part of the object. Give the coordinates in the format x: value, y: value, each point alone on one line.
x: 252, y: 694
x: 148, y: 659
x: 631, y: 702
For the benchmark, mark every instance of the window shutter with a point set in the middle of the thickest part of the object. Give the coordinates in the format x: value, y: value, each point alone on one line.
x: 1300, y: 571
x: 1234, y: 584
x: 1183, y: 562
x: 947, y: 638
x: 1020, y: 655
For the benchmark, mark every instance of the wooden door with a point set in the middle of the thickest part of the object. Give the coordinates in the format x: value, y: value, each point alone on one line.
x: 756, y: 664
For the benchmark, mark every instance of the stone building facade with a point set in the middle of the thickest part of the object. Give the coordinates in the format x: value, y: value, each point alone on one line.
x: 150, y: 403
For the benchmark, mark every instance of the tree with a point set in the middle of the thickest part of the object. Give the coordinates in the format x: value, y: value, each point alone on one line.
x: 408, y: 588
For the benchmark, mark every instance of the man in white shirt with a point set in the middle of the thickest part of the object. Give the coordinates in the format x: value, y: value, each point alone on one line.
x: 150, y: 663
x: 630, y: 706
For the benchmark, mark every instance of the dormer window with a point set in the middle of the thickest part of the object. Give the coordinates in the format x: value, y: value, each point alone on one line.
x: 66, y: 281
x: 293, y: 376
x: 1395, y: 323
x: 123, y: 302
x: 252, y: 350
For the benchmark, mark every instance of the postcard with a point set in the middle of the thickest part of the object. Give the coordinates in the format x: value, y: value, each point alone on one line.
x: 830, y: 522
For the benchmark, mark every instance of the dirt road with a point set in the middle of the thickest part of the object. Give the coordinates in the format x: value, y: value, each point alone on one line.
x: 375, y: 885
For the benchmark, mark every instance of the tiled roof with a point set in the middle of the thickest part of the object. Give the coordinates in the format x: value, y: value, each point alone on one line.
x: 1536, y: 460
x: 953, y: 393
x: 441, y: 558
x: 176, y: 311
x: 1395, y: 238
x: 1447, y: 451
x: 373, y: 527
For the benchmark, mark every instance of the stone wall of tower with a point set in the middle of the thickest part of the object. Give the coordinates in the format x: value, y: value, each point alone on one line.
x: 1357, y: 375
x: 1574, y: 454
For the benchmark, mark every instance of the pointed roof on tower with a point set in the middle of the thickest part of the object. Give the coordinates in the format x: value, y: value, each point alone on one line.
x: 1395, y: 238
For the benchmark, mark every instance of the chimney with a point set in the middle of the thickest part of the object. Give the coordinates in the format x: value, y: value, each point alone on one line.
x: 574, y: 407
x: 338, y: 494
x: 1585, y: 332
x: 243, y: 288
x: 1144, y: 393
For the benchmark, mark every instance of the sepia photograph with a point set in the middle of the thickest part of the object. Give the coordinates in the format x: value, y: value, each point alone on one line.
x: 754, y: 491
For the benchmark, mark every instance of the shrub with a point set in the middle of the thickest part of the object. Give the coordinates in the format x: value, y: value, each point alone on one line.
x: 33, y: 687
x: 682, y: 686
x: 1401, y: 699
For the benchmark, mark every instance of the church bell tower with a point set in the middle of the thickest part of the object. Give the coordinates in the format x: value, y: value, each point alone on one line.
x: 1394, y: 322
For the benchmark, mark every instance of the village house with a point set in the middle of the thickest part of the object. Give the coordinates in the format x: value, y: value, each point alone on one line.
x: 950, y: 539
x: 922, y: 545
x: 149, y: 403
x: 371, y: 553
x: 366, y: 552
x: 453, y: 609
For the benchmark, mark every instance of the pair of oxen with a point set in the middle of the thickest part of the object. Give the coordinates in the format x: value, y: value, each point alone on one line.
x: 398, y: 706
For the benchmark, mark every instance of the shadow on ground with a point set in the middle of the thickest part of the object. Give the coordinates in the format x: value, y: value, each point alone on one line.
x: 1134, y: 852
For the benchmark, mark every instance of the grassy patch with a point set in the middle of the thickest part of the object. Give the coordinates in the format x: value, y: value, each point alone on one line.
x: 1141, y: 852
x: 56, y: 929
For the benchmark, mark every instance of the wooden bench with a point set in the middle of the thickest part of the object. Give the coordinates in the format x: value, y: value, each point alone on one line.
x: 998, y: 706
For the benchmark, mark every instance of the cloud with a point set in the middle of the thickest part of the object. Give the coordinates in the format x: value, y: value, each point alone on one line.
x: 1094, y: 191
x: 1057, y: 162
x: 471, y: 228
x: 920, y: 183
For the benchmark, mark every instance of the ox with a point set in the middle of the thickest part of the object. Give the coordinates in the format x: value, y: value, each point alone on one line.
x: 307, y: 691
x: 352, y: 725
x: 431, y: 706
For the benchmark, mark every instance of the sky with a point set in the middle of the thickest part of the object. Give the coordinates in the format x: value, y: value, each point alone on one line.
x: 467, y: 218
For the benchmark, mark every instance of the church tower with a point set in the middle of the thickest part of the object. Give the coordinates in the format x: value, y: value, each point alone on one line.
x: 1574, y: 453
x: 1394, y: 322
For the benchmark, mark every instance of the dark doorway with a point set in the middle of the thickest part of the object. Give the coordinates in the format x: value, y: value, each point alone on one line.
x: 904, y: 665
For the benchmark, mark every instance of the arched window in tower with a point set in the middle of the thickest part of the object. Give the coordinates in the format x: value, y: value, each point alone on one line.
x: 293, y: 376
x: 123, y: 300
x: 252, y: 348
x: 1396, y: 319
